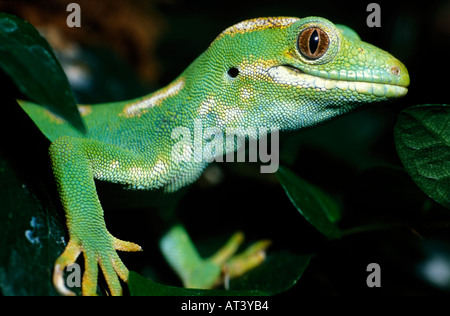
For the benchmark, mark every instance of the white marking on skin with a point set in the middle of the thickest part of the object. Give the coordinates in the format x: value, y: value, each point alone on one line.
x: 285, y: 76
x: 246, y: 93
x: 114, y: 164
x: 160, y: 168
x: 232, y: 114
x: 141, y: 107
x: 139, y: 173
x: 206, y: 106
x: 256, y: 68
x: 226, y: 115
x: 136, y: 172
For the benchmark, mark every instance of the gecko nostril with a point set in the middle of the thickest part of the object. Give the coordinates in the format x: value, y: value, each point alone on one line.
x: 395, y: 70
x: 233, y: 72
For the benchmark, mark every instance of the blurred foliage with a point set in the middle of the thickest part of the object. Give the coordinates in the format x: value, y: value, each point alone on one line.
x: 423, y: 143
x: 29, y: 61
x: 126, y: 48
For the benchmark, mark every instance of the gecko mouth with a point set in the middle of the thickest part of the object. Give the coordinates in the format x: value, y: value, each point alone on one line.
x: 291, y: 75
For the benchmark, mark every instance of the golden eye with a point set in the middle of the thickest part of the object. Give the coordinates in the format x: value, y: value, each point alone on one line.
x: 313, y: 43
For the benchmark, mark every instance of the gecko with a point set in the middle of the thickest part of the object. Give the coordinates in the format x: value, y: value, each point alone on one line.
x: 280, y: 73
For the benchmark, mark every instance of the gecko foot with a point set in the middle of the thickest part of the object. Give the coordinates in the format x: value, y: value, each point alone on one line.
x: 227, y: 264
x: 102, y: 254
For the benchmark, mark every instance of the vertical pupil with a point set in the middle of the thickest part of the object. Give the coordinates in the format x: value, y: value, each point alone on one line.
x: 314, y: 41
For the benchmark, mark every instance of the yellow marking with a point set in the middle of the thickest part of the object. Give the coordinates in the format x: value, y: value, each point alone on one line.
x: 85, y: 110
x: 114, y: 164
x: 53, y: 117
x: 226, y: 115
x: 247, y: 93
x: 142, y: 106
x: 256, y: 67
x: 258, y: 25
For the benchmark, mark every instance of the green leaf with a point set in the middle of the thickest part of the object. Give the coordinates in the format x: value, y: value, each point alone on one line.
x: 31, y: 238
x: 422, y: 137
x: 277, y: 274
x: 29, y: 61
x: 140, y: 286
x: 32, y: 233
x: 321, y: 210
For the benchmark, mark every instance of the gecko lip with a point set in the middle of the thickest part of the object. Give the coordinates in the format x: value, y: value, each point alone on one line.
x: 292, y: 68
x: 288, y: 74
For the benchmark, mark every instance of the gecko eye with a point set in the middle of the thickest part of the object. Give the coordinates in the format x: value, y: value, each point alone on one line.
x: 313, y: 43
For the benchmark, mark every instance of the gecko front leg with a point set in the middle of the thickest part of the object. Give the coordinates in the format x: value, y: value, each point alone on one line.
x: 76, y: 161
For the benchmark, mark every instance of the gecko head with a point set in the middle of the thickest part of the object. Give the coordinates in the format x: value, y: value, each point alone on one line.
x: 288, y: 73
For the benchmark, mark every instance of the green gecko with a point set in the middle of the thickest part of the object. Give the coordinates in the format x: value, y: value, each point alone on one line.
x: 280, y: 73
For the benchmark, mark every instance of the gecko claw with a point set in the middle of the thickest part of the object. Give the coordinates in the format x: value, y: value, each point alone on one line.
x: 58, y: 281
x: 68, y: 257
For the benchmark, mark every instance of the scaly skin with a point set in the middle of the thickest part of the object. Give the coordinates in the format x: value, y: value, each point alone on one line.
x: 278, y: 73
